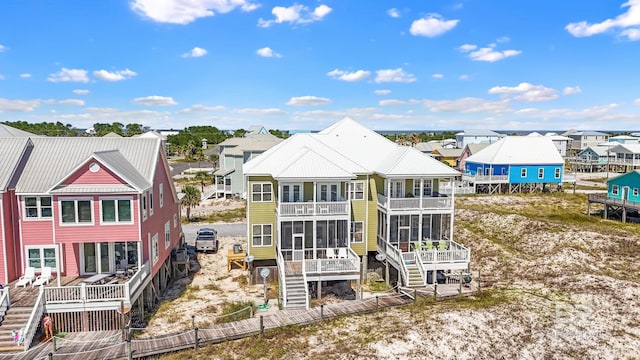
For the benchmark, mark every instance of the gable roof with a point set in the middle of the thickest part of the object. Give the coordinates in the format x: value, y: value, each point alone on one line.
x: 626, y: 148
x: 55, y: 158
x: 520, y: 150
x: 350, y: 147
x: 446, y: 152
x: 599, y: 150
x: 637, y: 172
x: 12, y: 150
x: 475, y: 147
x: 257, y: 142
x: 478, y: 132
x: 8, y: 131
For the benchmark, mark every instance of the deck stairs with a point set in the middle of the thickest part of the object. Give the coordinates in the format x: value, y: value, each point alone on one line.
x: 15, y: 319
x: 296, y: 292
x: 415, y: 278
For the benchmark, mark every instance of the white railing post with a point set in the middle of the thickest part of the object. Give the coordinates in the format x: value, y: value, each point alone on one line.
x: 83, y: 292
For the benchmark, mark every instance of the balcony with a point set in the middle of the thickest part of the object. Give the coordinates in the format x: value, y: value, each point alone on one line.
x: 485, y: 179
x: 415, y: 203
x: 310, y: 208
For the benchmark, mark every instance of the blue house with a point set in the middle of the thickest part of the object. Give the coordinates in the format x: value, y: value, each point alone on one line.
x: 622, y: 200
x: 515, y: 164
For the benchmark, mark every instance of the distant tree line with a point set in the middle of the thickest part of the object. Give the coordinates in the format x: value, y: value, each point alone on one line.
x: 45, y: 128
x: 414, y: 138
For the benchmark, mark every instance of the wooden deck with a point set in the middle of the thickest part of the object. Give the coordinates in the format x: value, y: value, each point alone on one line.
x: 110, y: 344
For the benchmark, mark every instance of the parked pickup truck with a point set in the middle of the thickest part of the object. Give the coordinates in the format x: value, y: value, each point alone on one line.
x: 207, y: 240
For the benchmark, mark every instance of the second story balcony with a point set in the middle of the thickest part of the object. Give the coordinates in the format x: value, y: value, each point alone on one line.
x: 312, y: 208
x: 416, y: 203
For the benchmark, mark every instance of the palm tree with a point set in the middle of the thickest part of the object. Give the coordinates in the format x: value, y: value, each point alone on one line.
x: 190, y: 199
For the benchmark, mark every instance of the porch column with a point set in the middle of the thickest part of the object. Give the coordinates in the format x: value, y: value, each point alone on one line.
x: 58, y: 256
x: 420, y: 215
x: 453, y: 198
x: 140, y: 253
x: 319, y: 289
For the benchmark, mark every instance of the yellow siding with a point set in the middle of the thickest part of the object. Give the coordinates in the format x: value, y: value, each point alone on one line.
x: 308, y: 191
x: 262, y: 213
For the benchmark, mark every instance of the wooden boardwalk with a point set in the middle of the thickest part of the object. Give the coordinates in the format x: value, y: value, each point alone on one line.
x: 110, y: 345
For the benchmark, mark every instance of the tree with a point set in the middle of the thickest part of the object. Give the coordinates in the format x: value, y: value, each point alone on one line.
x: 45, y: 128
x: 239, y: 133
x: 281, y: 134
x: 134, y: 129
x: 191, y: 198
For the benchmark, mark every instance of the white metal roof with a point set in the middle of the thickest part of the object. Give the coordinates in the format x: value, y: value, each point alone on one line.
x: 343, y: 150
x: 7, y: 131
x: 626, y: 148
x: 520, y: 150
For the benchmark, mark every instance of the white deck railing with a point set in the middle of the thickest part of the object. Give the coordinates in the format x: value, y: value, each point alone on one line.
x: 97, y: 293
x: 34, y: 320
x: 485, y: 179
x: 440, y: 202
x: 453, y: 253
x: 334, y: 265
x: 282, y: 276
x: 313, y: 208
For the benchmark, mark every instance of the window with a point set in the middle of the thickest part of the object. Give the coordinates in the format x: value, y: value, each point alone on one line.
x: 426, y: 187
x: 116, y: 210
x: 37, y: 207
x: 144, y: 206
x: 175, y: 220
x: 150, y: 202
x: 523, y: 173
x: 356, y: 190
x: 261, y: 192
x: 356, y: 232
x: 328, y: 192
x: 540, y: 173
x: 635, y: 192
x: 167, y: 235
x: 261, y: 235
x: 161, y: 194
x: 291, y: 193
x: 156, y: 249
x: 76, y: 211
x: 615, y: 189
x: 557, y: 174
x: 39, y: 257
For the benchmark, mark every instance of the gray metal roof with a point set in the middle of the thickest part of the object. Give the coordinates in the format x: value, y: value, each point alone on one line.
x: 94, y: 189
x: 114, y: 160
x: 11, y: 150
x: 8, y: 131
x: 54, y: 158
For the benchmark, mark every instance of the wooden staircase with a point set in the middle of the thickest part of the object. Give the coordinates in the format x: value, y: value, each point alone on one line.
x: 296, y: 294
x: 14, y: 320
x: 415, y: 278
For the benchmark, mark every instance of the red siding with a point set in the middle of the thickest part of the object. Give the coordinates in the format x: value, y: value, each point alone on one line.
x: 95, y: 232
x: 155, y: 223
x: 85, y: 176
x: 9, y: 248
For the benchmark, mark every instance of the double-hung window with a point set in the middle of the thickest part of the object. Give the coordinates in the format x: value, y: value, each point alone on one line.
x: 161, y: 194
x: 116, y: 210
x: 41, y: 256
x: 261, y: 235
x: 523, y: 173
x: 76, y: 211
x: 150, y: 202
x: 37, y: 207
x: 356, y: 232
x: 557, y: 173
x: 155, y: 248
x: 356, y: 190
x: 261, y: 192
x: 615, y: 189
x: 167, y: 234
x: 540, y: 173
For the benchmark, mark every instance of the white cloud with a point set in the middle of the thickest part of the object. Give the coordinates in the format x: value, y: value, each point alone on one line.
x: 81, y: 91
x: 69, y: 75
x: 382, y: 92
x: 295, y: 14
x: 308, y: 101
x: 394, y: 75
x: 267, y: 111
x: 155, y: 100
x: 18, y: 105
x: 503, y: 39
x: 488, y: 54
x: 391, y: 102
x: 200, y: 108
x: 76, y: 102
x: 437, y: 76
x: 636, y: 101
x: 463, y: 77
x: 571, y: 90
x: 526, y: 92
x: 186, y: 11
x: 25, y: 76
x: 114, y: 76
x: 268, y: 52
x: 1, y: 77
x: 432, y: 26
x: 468, y: 105
x: 626, y: 21
x: 357, y: 75
x: 195, y: 52
x: 394, y: 13
x: 2, y: 48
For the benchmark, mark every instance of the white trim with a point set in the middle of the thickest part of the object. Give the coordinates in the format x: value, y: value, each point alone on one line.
x: 23, y: 203
x: 75, y: 206
x: 4, y: 239
x: 540, y: 173
x: 262, y: 235
x: 144, y: 205
x: 116, y: 199
x: 523, y: 172
x: 41, y: 248
x: 167, y: 234
x: 161, y: 194
x: 351, y: 190
x: 262, y: 192
x: 351, y: 233
x: 155, y: 251
x: 150, y: 198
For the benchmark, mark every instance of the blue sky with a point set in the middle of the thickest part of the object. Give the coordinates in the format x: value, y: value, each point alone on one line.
x: 428, y: 65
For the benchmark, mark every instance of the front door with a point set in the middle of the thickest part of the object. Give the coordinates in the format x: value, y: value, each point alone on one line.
x: 298, y: 247
x: 625, y: 193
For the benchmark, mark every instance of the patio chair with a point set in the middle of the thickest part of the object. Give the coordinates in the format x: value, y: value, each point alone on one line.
x: 428, y: 245
x: 342, y: 253
x: 43, y: 278
x: 28, y: 277
x: 442, y: 245
x: 330, y: 254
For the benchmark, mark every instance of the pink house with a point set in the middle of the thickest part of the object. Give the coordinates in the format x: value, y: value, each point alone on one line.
x: 89, y: 208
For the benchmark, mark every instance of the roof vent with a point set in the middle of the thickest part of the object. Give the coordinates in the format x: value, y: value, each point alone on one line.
x: 94, y: 167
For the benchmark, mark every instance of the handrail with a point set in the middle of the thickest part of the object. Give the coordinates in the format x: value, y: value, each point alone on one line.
x: 306, y: 288
x: 34, y: 320
x: 282, y: 276
x: 5, y: 301
x: 397, y: 256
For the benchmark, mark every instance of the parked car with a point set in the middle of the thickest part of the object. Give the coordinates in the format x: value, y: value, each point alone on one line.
x: 207, y: 240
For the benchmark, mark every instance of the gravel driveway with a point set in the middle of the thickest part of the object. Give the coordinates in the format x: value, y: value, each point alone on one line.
x: 224, y: 230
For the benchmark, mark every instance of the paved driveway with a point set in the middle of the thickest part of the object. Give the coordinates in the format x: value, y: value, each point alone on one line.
x: 224, y: 230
